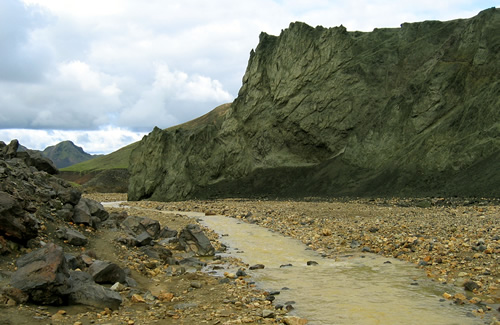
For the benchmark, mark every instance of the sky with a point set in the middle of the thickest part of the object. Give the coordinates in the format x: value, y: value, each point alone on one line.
x: 104, y: 73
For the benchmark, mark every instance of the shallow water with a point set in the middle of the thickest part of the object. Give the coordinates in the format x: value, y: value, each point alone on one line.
x: 351, y: 289
x: 356, y: 289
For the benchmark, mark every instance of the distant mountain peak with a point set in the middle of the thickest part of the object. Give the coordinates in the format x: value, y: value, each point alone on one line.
x: 66, y: 153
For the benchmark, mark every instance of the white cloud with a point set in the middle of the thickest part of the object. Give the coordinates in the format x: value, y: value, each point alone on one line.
x: 171, y: 98
x: 101, y: 141
x: 84, y: 65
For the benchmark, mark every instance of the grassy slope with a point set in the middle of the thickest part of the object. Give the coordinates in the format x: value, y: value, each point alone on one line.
x: 119, y: 159
x: 115, y: 160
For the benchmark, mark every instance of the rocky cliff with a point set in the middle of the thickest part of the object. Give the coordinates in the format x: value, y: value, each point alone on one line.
x: 326, y: 112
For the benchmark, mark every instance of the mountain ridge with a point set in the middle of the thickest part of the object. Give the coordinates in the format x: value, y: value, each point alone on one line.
x: 66, y: 153
x: 327, y: 112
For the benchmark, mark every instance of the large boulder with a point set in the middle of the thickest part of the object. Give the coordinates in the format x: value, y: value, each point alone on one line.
x: 69, y: 195
x: 137, y: 225
x: 86, y: 209
x: 106, y: 272
x: 43, y: 275
x: 81, y: 213
x: 193, y: 239
x: 328, y: 112
x: 85, y: 291
x: 15, y: 222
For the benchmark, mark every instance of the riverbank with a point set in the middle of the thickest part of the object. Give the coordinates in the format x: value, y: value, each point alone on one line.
x: 453, y: 242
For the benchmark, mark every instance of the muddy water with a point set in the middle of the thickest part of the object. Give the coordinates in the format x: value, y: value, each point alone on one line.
x: 352, y: 289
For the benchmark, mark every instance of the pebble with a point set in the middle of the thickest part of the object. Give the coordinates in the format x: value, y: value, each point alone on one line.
x: 136, y: 298
x: 230, y: 275
x: 266, y: 313
x: 196, y: 284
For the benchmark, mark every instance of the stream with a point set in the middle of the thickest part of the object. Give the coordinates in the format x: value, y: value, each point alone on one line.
x: 358, y: 288
x: 353, y: 289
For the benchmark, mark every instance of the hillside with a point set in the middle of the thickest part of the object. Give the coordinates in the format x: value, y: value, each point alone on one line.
x: 65, y: 154
x: 106, y: 173
x: 115, y: 160
x: 327, y: 112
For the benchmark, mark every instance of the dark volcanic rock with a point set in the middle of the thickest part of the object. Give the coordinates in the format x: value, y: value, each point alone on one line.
x: 324, y: 111
x: 35, y: 159
x: 81, y: 213
x: 86, y: 209
x: 43, y: 275
x: 192, y: 239
x: 15, y: 222
x: 167, y: 233
x: 106, y: 272
x: 192, y: 261
x: 143, y: 239
x: 138, y: 225
x: 72, y: 236
x: 85, y: 291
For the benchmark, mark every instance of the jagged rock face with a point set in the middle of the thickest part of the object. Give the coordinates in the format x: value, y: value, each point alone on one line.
x: 324, y: 112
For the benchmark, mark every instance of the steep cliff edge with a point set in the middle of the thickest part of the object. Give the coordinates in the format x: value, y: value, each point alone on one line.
x: 324, y: 112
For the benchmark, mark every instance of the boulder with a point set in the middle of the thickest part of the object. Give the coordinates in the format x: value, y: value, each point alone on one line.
x: 43, y: 275
x: 193, y: 239
x: 143, y: 239
x: 127, y: 240
x: 66, y: 212
x: 137, y: 225
x: 167, y: 233
x: 96, y: 209
x: 106, y: 272
x: 85, y: 291
x: 81, y: 213
x: 15, y: 222
x: 73, y: 237
x: 69, y: 195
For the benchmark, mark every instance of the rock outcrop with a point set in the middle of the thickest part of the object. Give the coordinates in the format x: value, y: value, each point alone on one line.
x: 327, y: 112
x: 34, y: 203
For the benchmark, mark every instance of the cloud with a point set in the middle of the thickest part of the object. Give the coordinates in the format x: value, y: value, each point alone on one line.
x: 132, y: 65
x: 101, y: 141
x: 73, y: 97
x: 172, y: 98
x: 23, y: 58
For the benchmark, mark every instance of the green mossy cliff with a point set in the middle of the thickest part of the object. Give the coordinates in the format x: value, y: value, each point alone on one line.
x: 326, y: 112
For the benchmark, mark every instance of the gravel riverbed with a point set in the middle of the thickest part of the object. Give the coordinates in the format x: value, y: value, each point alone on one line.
x: 453, y: 241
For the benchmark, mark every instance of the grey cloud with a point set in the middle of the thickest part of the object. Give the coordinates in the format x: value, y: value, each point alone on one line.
x: 21, y: 59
